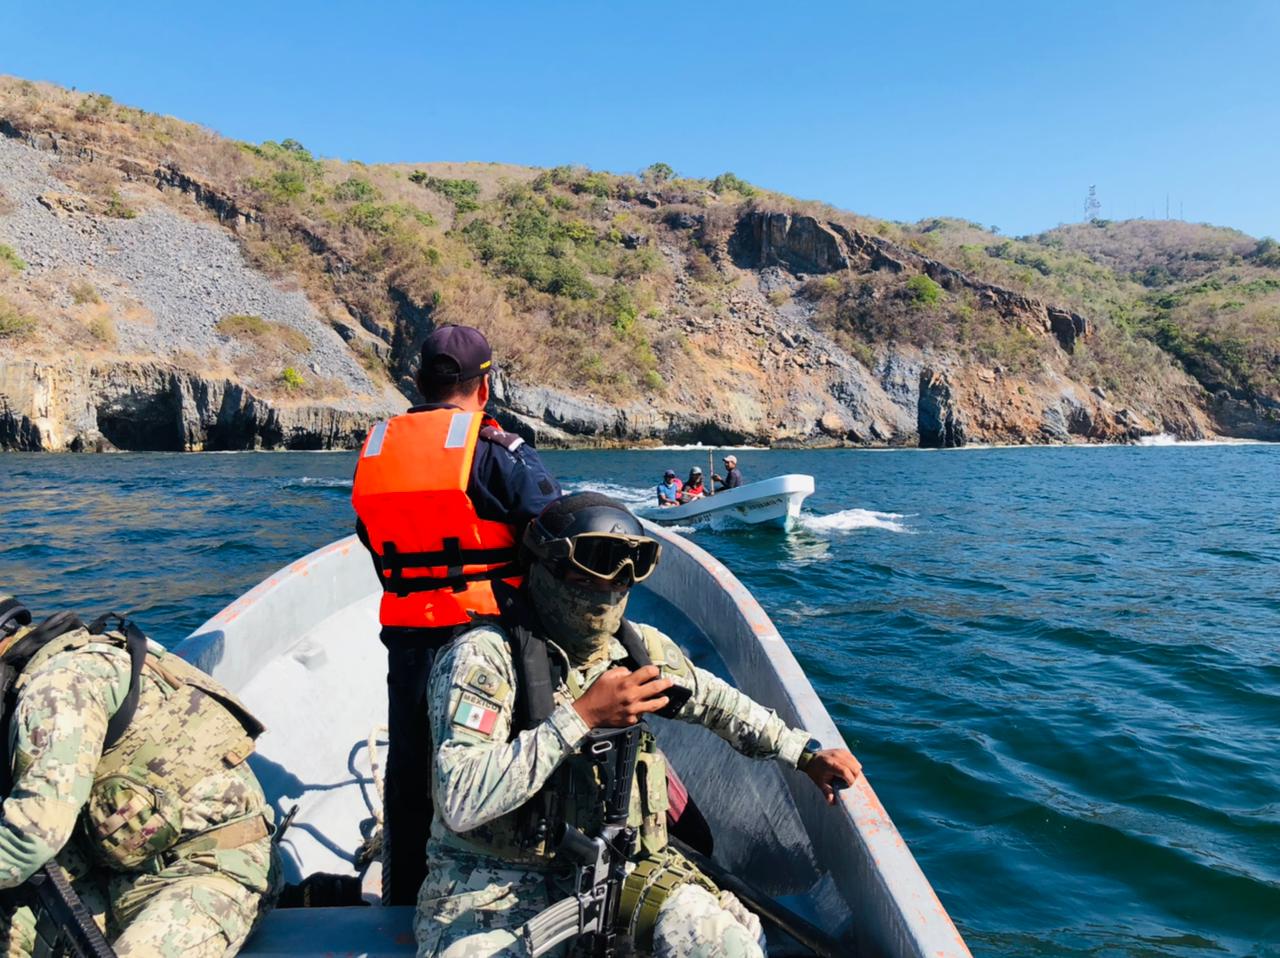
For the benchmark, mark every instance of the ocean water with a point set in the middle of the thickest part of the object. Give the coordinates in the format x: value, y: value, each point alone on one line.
x: 1060, y: 667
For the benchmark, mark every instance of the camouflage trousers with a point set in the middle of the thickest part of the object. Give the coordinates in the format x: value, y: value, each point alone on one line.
x: 187, y: 910
x: 467, y: 908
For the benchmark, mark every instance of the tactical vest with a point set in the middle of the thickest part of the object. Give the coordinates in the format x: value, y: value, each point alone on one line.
x: 575, y: 793
x: 437, y: 559
x: 158, y: 747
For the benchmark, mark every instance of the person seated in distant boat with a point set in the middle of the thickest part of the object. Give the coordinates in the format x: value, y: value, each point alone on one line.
x: 694, y: 487
x: 126, y: 766
x: 669, y: 489
x: 732, y: 478
x: 516, y: 712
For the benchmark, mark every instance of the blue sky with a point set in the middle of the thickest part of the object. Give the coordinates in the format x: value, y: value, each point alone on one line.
x: 999, y: 112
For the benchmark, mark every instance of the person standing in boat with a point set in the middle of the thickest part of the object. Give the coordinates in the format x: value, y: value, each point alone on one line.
x: 732, y: 478
x: 127, y: 766
x: 510, y: 768
x: 694, y: 487
x: 668, y: 489
x: 442, y: 494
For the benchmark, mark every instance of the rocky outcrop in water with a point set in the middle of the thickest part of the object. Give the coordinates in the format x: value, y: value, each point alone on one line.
x: 940, y: 423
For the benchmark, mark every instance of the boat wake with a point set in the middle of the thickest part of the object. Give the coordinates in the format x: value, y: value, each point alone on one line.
x: 317, y: 482
x: 850, y: 520
x: 629, y: 496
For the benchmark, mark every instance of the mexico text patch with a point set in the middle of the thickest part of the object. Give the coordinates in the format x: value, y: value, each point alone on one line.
x: 476, y: 714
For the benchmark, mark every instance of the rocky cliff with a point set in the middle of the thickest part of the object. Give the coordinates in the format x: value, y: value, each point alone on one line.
x: 166, y: 289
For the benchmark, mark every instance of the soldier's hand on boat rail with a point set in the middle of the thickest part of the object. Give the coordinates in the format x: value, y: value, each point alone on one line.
x: 832, y: 769
x: 620, y: 697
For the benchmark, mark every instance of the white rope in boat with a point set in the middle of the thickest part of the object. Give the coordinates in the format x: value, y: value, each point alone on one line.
x: 375, y: 768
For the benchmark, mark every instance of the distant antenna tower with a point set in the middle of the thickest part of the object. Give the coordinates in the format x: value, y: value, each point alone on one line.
x: 1091, y: 205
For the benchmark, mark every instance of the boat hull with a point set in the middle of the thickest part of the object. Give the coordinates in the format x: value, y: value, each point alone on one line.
x: 772, y: 502
x: 302, y: 650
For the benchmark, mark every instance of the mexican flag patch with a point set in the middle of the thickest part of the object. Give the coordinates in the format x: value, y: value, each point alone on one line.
x: 473, y: 716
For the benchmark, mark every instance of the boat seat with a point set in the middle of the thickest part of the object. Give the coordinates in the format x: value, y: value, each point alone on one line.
x: 372, y: 932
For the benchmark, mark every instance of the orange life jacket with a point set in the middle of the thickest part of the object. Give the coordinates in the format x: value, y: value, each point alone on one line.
x: 438, y: 558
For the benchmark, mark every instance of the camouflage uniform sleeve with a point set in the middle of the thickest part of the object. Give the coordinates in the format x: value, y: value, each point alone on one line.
x: 480, y: 772
x: 745, y: 724
x: 57, y: 733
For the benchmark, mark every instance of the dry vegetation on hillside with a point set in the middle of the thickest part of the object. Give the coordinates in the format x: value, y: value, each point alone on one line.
x: 576, y: 272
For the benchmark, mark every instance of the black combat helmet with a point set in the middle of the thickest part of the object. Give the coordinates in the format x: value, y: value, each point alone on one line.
x: 593, y: 534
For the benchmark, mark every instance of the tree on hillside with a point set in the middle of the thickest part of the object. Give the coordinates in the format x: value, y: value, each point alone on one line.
x: 658, y: 173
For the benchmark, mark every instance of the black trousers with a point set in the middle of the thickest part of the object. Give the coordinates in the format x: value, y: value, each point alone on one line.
x: 406, y: 797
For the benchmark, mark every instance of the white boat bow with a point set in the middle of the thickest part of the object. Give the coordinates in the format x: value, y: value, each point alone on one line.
x: 302, y: 649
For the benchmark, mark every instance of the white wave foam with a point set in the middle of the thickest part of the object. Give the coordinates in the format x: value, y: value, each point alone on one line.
x: 696, y: 447
x: 632, y: 496
x: 319, y: 482
x: 1168, y: 439
x: 849, y: 520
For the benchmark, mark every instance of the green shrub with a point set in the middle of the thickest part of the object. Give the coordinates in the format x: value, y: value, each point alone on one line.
x: 355, y: 189
x: 296, y: 169
x: 529, y: 240
x: 729, y: 183
x: 14, y: 323
x: 863, y: 354
x: 384, y: 219
x: 1266, y: 253
x: 117, y: 207
x: 653, y: 381
x: 291, y: 378
x: 10, y: 259
x: 463, y: 194
x: 621, y: 309
x: 924, y: 291
x: 779, y: 297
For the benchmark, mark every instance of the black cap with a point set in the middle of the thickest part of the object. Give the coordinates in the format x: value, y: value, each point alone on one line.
x: 467, y: 349
x: 669, y: 474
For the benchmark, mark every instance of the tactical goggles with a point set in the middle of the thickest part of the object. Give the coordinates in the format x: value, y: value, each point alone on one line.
x: 605, y: 555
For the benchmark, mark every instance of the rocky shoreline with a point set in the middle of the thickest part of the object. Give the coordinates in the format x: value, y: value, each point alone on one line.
x: 760, y: 370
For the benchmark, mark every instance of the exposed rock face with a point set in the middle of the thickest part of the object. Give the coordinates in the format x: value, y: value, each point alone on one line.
x: 1256, y: 419
x: 82, y: 406
x: 782, y: 380
x: 940, y: 422
x: 800, y: 243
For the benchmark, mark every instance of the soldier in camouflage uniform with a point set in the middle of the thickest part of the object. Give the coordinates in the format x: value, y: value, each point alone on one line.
x: 486, y: 878
x: 165, y: 832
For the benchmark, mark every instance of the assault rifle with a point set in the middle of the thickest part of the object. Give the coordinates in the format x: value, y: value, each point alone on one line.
x: 590, y: 914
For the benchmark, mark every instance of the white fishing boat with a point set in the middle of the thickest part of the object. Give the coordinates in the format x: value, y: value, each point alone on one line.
x: 302, y: 649
x: 770, y: 502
